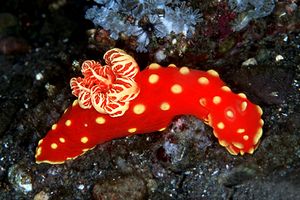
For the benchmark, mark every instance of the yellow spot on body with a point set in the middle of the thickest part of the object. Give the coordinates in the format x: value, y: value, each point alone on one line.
x: 184, y: 70
x: 238, y: 145
x: 261, y: 122
x: 54, y: 126
x: 40, y: 142
x: 53, y: 146
x: 208, y: 120
x: 85, y: 125
x: 251, y: 150
x: 203, y: 81
x: 68, y: 123
x: 246, y: 137
x: 100, y: 120
x: 223, y: 143
x: 85, y: 150
x: 221, y: 125
x: 165, y: 106
x: 242, y: 95
x: 260, y: 111
x: 84, y: 140
x: 176, y: 89
x: 38, y: 151
x: 132, y: 130
x: 242, y: 152
x: 231, y: 151
x: 62, y: 140
x: 244, y: 106
x: 216, y: 100
x: 215, y: 134
x: 229, y: 114
x: 213, y: 73
x: 139, y: 109
x: 171, y: 65
x: 162, y: 129
x: 153, y: 78
x: 75, y: 102
x: 154, y: 66
x: 202, y: 102
x: 257, y: 136
x: 225, y: 88
x: 240, y: 130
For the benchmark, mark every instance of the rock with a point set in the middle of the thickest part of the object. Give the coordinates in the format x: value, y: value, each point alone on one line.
x: 238, y: 175
x: 265, y: 82
x: 187, y: 139
x: 13, y: 45
x: 20, y: 178
x: 41, y: 196
x: 280, y: 185
x: 129, y: 187
x: 7, y: 21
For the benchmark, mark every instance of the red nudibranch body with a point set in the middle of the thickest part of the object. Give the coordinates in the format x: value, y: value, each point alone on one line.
x: 117, y: 100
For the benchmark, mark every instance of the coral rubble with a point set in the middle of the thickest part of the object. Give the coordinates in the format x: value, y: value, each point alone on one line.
x: 144, y: 19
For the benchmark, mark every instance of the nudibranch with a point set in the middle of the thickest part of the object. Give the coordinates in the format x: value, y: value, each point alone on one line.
x: 117, y: 100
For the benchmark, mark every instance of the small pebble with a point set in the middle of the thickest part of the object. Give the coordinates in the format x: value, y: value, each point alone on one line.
x: 279, y: 58
x: 250, y: 61
x: 20, y: 178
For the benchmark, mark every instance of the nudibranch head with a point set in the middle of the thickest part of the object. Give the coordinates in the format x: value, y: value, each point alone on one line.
x: 109, y: 88
x: 238, y: 124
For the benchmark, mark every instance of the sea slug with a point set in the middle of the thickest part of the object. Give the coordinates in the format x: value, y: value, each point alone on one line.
x: 117, y: 100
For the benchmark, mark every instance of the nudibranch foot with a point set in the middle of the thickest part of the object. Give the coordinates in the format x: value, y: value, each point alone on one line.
x: 117, y: 100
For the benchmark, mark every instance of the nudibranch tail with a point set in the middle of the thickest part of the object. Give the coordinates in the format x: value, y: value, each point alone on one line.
x: 117, y: 100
